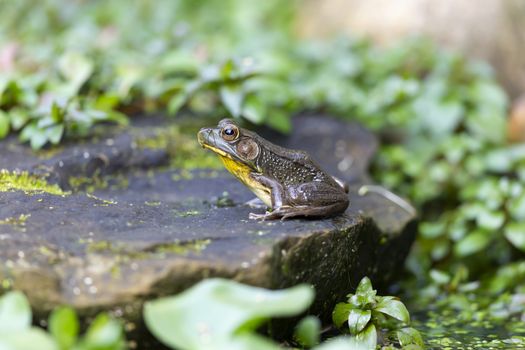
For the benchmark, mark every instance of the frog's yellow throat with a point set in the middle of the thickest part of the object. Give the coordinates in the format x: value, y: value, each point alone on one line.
x: 242, y: 172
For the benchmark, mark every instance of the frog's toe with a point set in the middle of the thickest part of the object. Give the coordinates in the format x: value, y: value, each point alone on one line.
x: 253, y: 216
x: 255, y: 203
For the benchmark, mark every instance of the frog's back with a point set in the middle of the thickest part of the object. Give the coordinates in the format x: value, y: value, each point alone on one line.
x: 290, y: 167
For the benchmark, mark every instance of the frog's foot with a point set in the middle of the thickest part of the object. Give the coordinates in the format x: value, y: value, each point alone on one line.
x: 279, y: 213
x: 256, y: 203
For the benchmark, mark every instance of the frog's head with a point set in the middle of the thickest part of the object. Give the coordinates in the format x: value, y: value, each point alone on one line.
x: 236, y: 147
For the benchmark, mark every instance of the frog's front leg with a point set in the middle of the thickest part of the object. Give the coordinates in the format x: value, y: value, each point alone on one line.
x: 277, y: 194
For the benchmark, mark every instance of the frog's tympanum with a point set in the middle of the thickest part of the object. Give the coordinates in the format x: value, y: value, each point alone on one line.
x: 289, y: 182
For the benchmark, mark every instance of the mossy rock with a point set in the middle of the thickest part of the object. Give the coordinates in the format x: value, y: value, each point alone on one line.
x: 147, y: 230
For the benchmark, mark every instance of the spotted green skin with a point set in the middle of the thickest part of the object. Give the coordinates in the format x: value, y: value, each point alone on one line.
x: 288, y: 181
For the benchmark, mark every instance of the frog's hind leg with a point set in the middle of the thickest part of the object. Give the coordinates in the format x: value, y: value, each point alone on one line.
x: 287, y: 212
x: 307, y: 211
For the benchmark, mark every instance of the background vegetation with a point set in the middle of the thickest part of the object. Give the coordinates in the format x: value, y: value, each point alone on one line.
x: 66, y: 66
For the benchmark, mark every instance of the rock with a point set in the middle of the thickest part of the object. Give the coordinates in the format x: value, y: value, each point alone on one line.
x: 148, y: 230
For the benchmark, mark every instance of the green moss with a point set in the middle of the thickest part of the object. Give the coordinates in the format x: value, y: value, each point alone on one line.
x: 16, y: 221
x: 30, y: 184
x: 158, y: 251
x: 98, y: 182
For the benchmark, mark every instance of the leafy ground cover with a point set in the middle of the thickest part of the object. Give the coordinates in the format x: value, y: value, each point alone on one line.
x: 68, y: 66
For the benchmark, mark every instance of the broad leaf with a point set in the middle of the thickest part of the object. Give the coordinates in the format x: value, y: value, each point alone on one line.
x: 358, y: 319
x: 367, y: 338
x: 254, y: 109
x: 104, y: 333
x: 395, y: 309
x: 343, y: 343
x: 307, y: 331
x: 64, y: 326
x: 340, y: 314
x: 473, y: 243
x: 232, y: 96
x: 410, y: 336
x: 217, y: 310
x: 515, y: 234
x: 15, y: 313
x: 4, y: 124
x: 29, y: 339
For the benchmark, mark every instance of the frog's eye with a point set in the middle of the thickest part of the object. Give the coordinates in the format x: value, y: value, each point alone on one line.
x: 230, y: 132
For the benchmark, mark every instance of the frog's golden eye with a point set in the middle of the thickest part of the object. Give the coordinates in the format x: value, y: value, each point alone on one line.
x: 230, y: 132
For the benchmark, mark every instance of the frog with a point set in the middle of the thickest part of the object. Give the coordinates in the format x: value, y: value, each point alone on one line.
x: 289, y: 182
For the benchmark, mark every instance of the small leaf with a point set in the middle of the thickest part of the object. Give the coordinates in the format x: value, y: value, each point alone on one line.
x: 307, y: 331
x: 19, y: 118
x: 473, y: 243
x: 358, y: 319
x: 176, y: 102
x: 515, y: 234
x: 104, y: 333
x: 232, y: 96
x: 76, y: 68
x: 254, y: 109
x: 64, y: 326
x: 439, y: 277
x: 340, y: 314
x: 4, y: 124
x: 364, y: 287
x: 368, y: 337
x: 410, y: 336
x: 38, y: 139
x: 395, y: 309
x: 15, y: 313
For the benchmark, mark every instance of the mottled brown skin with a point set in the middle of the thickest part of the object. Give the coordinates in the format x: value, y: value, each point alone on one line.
x: 288, y: 181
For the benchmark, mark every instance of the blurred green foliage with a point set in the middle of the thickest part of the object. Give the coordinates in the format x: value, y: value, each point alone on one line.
x: 16, y: 332
x: 68, y: 65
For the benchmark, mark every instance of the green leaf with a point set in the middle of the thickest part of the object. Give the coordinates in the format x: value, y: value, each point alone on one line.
x: 279, y: 120
x: 254, y: 109
x: 15, y: 313
x: 19, y: 118
x: 515, y: 234
x: 307, y: 331
x: 64, y: 326
x: 368, y: 337
x: 340, y: 314
x: 364, y: 287
x: 176, y: 102
x: 4, y: 124
x: 410, y: 336
x: 516, y: 207
x: 358, y: 319
x: 54, y: 133
x: 343, y: 343
x: 29, y: 339
x: 38, y: 139
x: 232, y: 96
x: 395, y: 309
x: 104, y: 333
x: 76, y: 68
x: 491, y: 220
x: 473, y: 243
x: 222, y: 309
x: 439, y: 277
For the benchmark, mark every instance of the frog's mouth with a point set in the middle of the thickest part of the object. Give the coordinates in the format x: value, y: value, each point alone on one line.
x: 206, y: 138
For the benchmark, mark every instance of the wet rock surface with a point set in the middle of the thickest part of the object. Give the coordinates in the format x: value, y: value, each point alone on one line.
x: 147, y: 229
